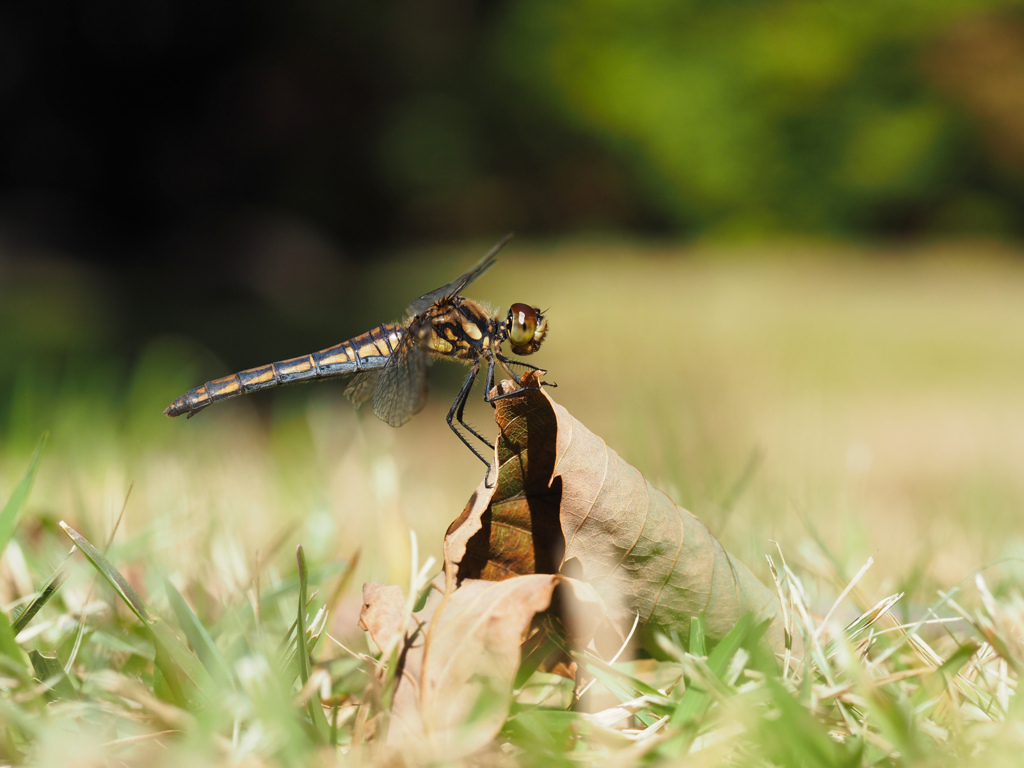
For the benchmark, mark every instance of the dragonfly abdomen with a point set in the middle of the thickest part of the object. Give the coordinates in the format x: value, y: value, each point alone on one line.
x: 366, y: 352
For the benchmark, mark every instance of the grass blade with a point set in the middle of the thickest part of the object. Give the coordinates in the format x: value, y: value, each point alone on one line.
x: 9, y: 514
x: 50, y: 673
x: 206, y: 649
x: 183, y: 673
x: 126, y: 591
x: 48, y: 591
x: 696, y: 701
x: 316, y: 712
x: 9, y: 647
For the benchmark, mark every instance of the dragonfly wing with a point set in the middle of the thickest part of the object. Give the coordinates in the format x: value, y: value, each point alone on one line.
x: 401, y: 390
x: 360, y: 387
x: 424, y: 302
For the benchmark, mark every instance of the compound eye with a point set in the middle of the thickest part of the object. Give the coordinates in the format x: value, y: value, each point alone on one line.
x: 521, y: 324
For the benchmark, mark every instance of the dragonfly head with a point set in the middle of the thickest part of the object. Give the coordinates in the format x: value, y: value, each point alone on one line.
x: 525, y: 328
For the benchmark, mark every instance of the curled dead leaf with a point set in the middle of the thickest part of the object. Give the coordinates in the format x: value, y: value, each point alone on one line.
x: 565, y: 502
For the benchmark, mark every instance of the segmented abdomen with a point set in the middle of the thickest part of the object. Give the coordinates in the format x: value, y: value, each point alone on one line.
x: 365, y: 352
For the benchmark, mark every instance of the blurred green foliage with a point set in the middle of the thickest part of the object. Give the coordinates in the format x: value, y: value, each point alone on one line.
x: 389, y: 124
x: 753, y: 117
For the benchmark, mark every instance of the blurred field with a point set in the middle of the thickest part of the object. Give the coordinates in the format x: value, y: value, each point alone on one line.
x: 868, y: 398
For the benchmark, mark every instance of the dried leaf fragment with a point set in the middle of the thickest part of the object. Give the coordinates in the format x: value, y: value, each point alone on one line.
x: 460, y: 657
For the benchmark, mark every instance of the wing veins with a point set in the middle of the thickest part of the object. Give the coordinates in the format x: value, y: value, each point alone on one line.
x: 424, y: 302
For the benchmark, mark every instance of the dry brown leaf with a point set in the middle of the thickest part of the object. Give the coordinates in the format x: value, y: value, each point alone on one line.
x: 383, y: 613
x: 460, y: 657
x: 646, y: 556
x: 512, y: 529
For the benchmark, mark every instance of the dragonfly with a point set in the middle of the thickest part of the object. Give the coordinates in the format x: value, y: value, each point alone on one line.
x: 389, y: 363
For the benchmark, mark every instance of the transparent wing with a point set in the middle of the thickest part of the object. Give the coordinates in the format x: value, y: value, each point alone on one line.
x: 424, y: 302
x: 401, y: 390
x: 360, y: 387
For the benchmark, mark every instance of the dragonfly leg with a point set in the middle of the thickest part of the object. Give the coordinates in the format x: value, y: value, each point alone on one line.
x: 455, y: 414
x: 505, y: 363
x: 490, y: 381
x: 490, y: 384
x: 520, y: 363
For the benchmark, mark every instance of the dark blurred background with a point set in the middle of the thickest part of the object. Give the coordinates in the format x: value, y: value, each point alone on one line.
x: 168, y: 167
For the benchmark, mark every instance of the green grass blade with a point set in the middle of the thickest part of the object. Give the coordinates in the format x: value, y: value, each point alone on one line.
x: 9, y: 515
x: 9, y: 647
x: 624, y: 687
x: 964, y: 653
x: 183, y: 673
x: 127, y: 593
x: 181, y: 668
x: 621, y: 683
x: 796, y: 737
x: 535, y: 652
x: 301, y: 650
x: 695, y: 701
x: 546, y: 736
x: 316, y: 712
x: 50, y: 673
x: 745, y: 633
x: 48, y: 591
x: 207, y: 651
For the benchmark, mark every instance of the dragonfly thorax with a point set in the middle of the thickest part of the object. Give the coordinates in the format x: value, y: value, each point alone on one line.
x: 460, y: 328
